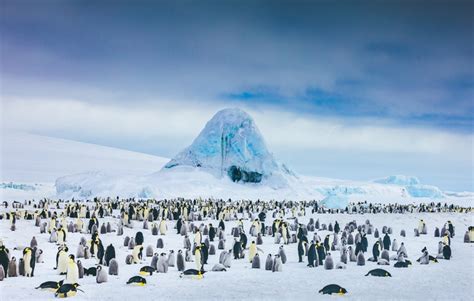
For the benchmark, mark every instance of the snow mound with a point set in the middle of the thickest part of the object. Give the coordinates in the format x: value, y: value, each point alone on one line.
x: 231, y: 145
x: 425, y: 191
x: 398, y: 180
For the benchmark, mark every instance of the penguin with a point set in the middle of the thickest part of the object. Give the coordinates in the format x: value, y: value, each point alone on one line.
x: 379, y: 273
x: 159, y: 243
x: 385, y: 255
x: 12, y: 268
x: 33, y: 243
x: 401, y: 264
x: 227, y: 259
x: 101, y: 274
x: 113, y: 267
x: 252, y: 251
x: 2, y: 273
x: 425, y: 258
x: 219, y: 268
x: 92, y: 271
x: 147, y: 270
x: 50, y: 285
x: 256, y: 262
x: 109, y: 254
x: 328, y: 263
x: 80, y: 251
x: 197, y: 274
x: 446, y: 252
x: 4, y: 258
x: 171, y: 259
x: 136, y: 254
x: 269, y: 263
x: 137, y: 280
x: 21, y: 267
x: 72, y: 275
x: 237, y: 249
x: 139, y: 238
x: 162, y: 265
x: 29, y: 259
x: 333, y: 289
x: 312, y: 255
x: 149, y: 251
x: 80, y: 269
x: 67, y: 290
x: 180, y: 263
x: 282, y: 254
x: 126, y: 241
x: 197, y: 258
x: 62, y: 260
x: 360, y: 259
x: 277, y: 264
x: 386, y: 242
x: 100, y: 251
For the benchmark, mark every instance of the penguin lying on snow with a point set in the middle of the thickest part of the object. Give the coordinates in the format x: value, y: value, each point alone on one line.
x: 137, y: 280
x: 193, y: 273
x: 50, y: 285
x: 333, y: 289
x: 67, y: 290
x: 147, y: 270
x: 379, y: 273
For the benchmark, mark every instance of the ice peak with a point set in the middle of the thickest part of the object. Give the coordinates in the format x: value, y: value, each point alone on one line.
x: 230, y: 144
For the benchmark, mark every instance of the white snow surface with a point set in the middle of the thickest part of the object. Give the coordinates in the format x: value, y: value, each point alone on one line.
x: 446, y: 280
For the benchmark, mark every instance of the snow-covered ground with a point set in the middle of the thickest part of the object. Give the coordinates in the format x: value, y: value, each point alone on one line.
x: 446, y: 280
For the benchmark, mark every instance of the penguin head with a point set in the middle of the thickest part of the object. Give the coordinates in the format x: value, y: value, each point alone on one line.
x: 71, y: 257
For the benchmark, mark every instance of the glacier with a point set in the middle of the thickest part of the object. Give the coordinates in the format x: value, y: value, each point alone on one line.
x: 413, y: 186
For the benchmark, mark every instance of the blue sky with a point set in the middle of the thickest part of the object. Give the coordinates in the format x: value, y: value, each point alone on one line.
x: 389, y: 78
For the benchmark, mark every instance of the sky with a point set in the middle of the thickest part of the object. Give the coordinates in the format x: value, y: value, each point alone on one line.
x: 348, y: 89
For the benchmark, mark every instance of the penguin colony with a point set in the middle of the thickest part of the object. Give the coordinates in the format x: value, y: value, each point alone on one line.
x: 202, y: 226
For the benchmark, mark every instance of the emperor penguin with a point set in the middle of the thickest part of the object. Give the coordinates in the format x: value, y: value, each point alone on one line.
x: 180, y: 263
x: 154, y: 261
x: 33, y: 243
x: 277, y: 264
x: 53, y: 237
x: 282, y: 254
x: 4, y: 258
x: 109, y: 254
x: 136, y: 253
x: 171, y: 259
x: 80, y: 251
x: 62, y: 261
x: 227, y: 261
x: 252, y: 250
x: 2, y: 273
x: 328, y: 263
x: 360, y: 258
x: 197, y: 258
x: 126, y: 241
x: 21, y: 267
x: 163, y: 227
x: 394, y: 245
x: 61, y: 236
x: 385, y: 255
x: 344, y: 256
x: 256, y: 262
x: 221, y: 244
x: 218, y: 268
x: 12, y: 272
x: 72, y: 275
x: 159, y: 243
x: 29, y: 259
x: 113, y: 267
x: 101, y: 276
x: 162, y: 264
x: 149, y: 251
x: 80, y: 269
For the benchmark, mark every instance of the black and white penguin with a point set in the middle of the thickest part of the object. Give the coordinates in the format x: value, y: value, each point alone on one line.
x: 360, y: 259
x: 67, y: 290
x: 29, y: 260
x: 4, y: 258
x: 147, y: 270
x: 137, y: 280
x: 282, y: 254
x: 333, y: 289
x: 50, y: 285
x: 446, y: 251
x: 109, y: 254
x: 379, y: 273
x: 80, y: 269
